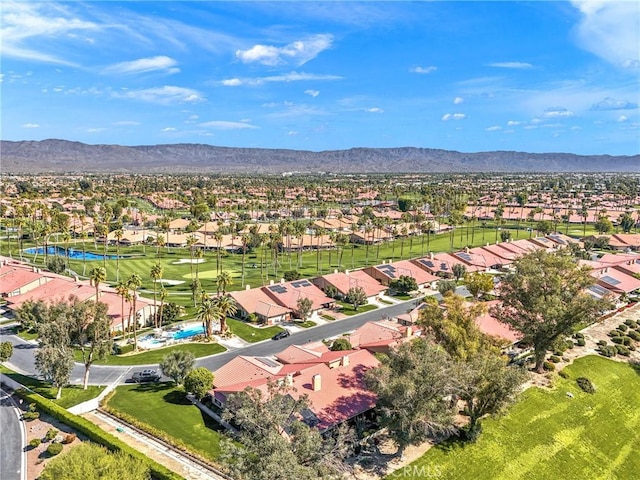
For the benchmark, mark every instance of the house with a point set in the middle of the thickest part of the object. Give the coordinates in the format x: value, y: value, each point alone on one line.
x: 615, y: 280
x: 382, y: 336
x: 255, y: 301
x: 388, y: 272
x: 287, y: 295
x: 440, y: 264
x: 544, y: 242
x: 18, y: 279
x: 342, y: 282
x: 625, y: 241
x: 333, y: 382
x: 506, y: 256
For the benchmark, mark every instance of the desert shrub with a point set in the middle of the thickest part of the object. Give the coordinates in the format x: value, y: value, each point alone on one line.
x: 554, y: 359
x: 51, y: 434
x: 122, y: 349
x: 35, y: 443
x: 631, y: 323
x: 580, y: 342
x: 548, y: 366
x: 627, y: 341
x: 634, y: 335
x: 615, y: 333
x: 602, y: 343
x: 608, y: 351
x: 69, y: 438
x: 563, y: 374
x: 54, y: 449
x: 578, y: 335
x: 622, y: 350
x: 586, y: 385
x: 28, y: 416
x: 618, y: 340
x: 622, y: 327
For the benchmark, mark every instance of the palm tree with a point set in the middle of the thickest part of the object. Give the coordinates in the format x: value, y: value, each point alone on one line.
x: 156, y: 275
x: 160, y: 242
x: 207, y: 312
x: 191, y: 241
x: 118, y: 234
x: 217, y: 236
x: 163, y: 297
x: 134, y: 282
x: 223, y: 281
x: 245, y: 241
x: 226, y: 308
x: 97, y: 276
x: 122, y: 289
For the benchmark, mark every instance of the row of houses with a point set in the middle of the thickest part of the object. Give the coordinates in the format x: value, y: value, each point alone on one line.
x: 21, y: 283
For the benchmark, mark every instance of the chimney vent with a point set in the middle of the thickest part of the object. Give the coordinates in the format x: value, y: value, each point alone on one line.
x: 316, y: 381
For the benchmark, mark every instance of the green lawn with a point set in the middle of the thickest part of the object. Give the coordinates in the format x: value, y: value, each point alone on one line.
x: 347, y: 308
x: 71, y: 395
x: 251, y: 334
x: 155, y: 356
x: 165, y: 408
x: 307, y: 324
x: 548, y: 435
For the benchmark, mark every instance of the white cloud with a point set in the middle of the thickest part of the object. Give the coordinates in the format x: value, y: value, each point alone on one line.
x: 494, y: 128
x: 623, y: 118
x: 515, y: 65
x: 125, y: 123
x: 292, y: 133
x: 226, y: 125
x: 423, y: 70
x: 297, y: 53
x: 609, y: 103
x: 287, y: 77
x: 557, y: 112
x: 168, y: 129
x: 458, y: 100
x: 610, y: 31
x: 513, y: 123
x: 96, y: 130
x: 453, y: 116
x: 312, y: 93
x: 164, y: 95
x: 374, y: 110
x: 30, y: 125
x: 143, y: 65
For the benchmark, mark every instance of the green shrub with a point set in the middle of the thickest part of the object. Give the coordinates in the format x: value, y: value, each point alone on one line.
x: 622, y: 327
x: 554, y: 359
x: 580, y: 342
x: 28, y: 416
x: 35, y: 443
x: 618, y: 340
x: 602, y: 343
x: 51, y: 434
x: 630, y: 323
x: 578, y: 335
x: 122, y: 349
x: 95, y: 433
x: 54, y: 449
x: 634, y: 335
x: 586, y: 385
x: 548, y: 366
x: 563, y: 374
x: 622, y: 350
x: 627, y: 341
x: 615, y: 333
x: 608, y: 351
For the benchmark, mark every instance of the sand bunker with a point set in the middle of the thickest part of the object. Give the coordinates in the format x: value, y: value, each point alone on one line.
x: 188, y: 260
x: 170, y: 282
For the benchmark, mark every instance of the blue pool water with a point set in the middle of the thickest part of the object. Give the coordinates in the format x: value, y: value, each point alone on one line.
x: 73, y: 254
x: 190, y: 332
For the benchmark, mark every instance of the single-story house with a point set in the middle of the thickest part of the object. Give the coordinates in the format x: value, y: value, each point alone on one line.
x: 342, y: 282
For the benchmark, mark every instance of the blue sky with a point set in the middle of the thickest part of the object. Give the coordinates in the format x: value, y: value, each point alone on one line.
x: 468, y: 76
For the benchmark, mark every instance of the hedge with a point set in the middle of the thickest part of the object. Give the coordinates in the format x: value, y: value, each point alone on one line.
x: 95, y: 433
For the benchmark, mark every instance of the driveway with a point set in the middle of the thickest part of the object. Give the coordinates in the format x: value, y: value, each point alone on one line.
x: 12, y: 441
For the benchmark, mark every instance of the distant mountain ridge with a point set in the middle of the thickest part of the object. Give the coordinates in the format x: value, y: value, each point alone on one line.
x: 63, y: 156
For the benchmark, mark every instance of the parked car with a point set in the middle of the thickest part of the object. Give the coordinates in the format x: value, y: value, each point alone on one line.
x: 145, y: 376
x: 281, y: 335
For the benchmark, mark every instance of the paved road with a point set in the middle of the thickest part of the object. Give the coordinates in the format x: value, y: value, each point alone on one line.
x: 11, y: 440
x: 22, y: 359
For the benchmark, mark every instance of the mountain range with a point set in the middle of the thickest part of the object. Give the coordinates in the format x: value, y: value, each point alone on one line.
x: 62, y: 156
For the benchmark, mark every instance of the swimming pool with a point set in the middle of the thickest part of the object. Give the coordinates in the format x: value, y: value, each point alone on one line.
x: 188, y: 332
x: 73, y: 254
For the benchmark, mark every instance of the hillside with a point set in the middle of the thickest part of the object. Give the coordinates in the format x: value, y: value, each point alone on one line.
x: 66, y: 156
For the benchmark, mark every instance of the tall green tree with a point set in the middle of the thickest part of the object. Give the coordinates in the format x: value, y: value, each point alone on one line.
x: 134, y: 282
x: 227, y: 307
x: 356, y: 296
x: 177, y: 364
x: 411, y: 385
x: 97, y: 276
x: 207, y: 313
x: 198, y: 381
x: 156, y: 275
x: 545, y: 299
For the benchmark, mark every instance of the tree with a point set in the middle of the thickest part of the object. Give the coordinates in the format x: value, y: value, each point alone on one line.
x: 459, y: 270
x: 134, y: 282
x: 341, y: 344
x: 505, y: 235
x: 6, y: 350
x: 454, y: 327
x: 177, y: 364
x: 626, y: 222
x: 447, y: 287
x: 486, y: 384
x: 57, y: 265
x: 411, y: 385
x: 356, y: 296
x: 90, y: 332
x: 226, y: 307
x: 156, y: 275
x: 198, y: 381
x: 223, y: 281
x: 304, y: 306
x: 603, y: 225
x: 478, y: 283
x: 90, y: 461
x: 97, y: 276
x: 291, y: 275
x: 404, y: 284
x: 545, y: 227
x: 267, y: 454
x: 208, y: 311
x: 545, y: 299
